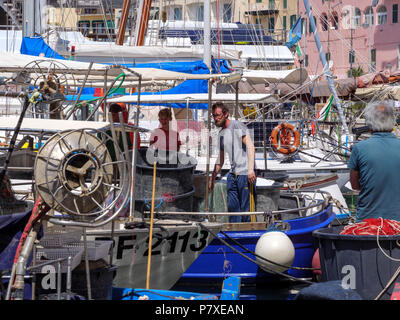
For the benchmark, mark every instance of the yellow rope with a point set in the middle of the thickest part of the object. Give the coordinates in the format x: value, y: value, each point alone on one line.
x: 151, y: 227
x: 252, y: 205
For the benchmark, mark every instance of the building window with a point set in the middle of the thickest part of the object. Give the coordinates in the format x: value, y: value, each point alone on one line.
x: 351, y: 57
x: 369, y: 16
x: 310, y: 27
x: 398, y: 57
x: 357, y: 18
x: 373, y: 57
x: 258, y: 1
x: 335, y: 21
x: 292, y: 20
x: 395, y: 13
x: 271, y: 4
x: 324, y: 22
x: 284, y: 4
x: 382, y: 15
x: 303, y: 26
x: 89, y: 11
x: 271, y: 24
x: 328, y: 56
x: 284, y: 23
x: 98, y: 27
x: 84, y: 27
x: 306, y: 60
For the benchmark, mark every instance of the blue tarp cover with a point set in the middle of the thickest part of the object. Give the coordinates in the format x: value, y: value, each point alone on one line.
x: 36, y: 46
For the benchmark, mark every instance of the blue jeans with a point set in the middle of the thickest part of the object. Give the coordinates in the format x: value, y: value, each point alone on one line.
x: 239, y: 196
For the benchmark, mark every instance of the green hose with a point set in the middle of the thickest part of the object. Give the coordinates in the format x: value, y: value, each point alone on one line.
x: 109, y: 93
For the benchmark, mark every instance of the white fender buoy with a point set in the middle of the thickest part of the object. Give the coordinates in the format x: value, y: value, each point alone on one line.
x: 277, y: 247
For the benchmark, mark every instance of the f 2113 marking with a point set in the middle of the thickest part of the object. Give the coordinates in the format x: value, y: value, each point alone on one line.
x: 177, y: 243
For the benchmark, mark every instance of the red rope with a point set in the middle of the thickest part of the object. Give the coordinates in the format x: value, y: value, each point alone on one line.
x: 373, y: 226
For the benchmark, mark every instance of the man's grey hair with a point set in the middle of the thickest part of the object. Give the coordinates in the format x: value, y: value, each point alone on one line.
x: 379, y: 116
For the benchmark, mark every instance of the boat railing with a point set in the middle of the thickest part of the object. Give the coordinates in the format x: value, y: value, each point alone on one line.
x: 315, y: 205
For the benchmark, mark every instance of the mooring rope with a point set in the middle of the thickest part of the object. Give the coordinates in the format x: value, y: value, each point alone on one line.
x: 254, y: 261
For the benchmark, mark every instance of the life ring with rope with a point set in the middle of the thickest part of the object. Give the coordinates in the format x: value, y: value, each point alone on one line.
x: 285, y: 138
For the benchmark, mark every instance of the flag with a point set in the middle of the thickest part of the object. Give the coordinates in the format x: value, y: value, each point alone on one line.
x: 298, y: 50
x: 323, y: 114
x: 294, y: 33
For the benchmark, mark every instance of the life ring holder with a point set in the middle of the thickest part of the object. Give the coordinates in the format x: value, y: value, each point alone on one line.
x: 285, y: 139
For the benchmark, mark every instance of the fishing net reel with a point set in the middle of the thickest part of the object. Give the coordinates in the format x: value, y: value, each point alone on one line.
x: 48, y: 84
x: 83, y: 176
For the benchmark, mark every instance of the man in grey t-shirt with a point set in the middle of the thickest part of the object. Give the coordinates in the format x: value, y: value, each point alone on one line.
x: 235, y: 140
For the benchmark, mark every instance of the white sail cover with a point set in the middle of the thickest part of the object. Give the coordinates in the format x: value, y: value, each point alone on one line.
x: 14, y: 62
x: 197, y: 98
x: 276, y: 76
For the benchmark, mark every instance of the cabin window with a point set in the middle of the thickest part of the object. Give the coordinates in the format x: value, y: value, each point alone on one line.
x: 177, y: 13
x: 382, y: 15
x: 227, y: 15
x: 154, y: 13
x: 200, y: 13
x: 395, y: 13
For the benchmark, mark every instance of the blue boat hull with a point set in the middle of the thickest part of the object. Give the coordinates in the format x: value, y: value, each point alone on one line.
x: 218, y: 261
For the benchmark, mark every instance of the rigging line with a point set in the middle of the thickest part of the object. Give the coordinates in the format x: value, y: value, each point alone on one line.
x: 252, y: 260
x: 103, y: 12
x: 291, y: 94
x: 262, y: 258
x: 274, y: 108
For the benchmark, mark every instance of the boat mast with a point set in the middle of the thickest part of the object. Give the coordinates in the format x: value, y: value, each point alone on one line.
x: 207, y: 34
x: 142, y: 21
x: 122, y: 24
x: 326, y: 67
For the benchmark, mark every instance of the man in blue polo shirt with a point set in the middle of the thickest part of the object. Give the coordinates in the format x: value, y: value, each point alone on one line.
x: 375, y: 166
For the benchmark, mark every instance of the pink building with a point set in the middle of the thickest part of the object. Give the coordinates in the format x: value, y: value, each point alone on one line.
x: 343, y: 26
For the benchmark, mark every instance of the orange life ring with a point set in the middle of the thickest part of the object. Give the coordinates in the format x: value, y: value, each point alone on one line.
x: 285, y: 138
